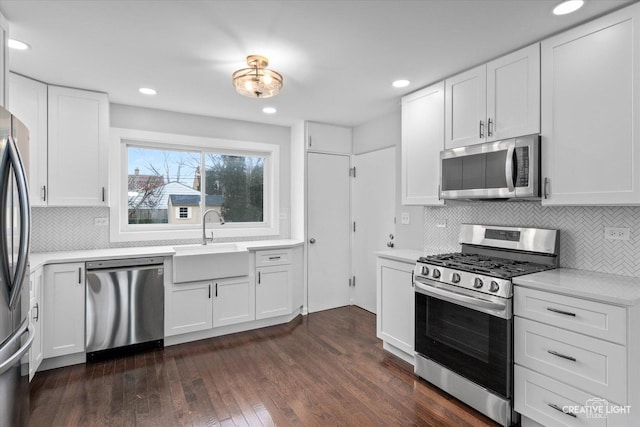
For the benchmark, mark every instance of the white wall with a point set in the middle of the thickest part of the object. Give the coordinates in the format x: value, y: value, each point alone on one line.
x: 381, y: 133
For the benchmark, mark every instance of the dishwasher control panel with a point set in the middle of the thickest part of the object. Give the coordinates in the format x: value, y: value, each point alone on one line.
x: 125, y: 262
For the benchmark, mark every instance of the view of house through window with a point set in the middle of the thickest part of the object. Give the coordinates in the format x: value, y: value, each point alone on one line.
x: 166, y: 186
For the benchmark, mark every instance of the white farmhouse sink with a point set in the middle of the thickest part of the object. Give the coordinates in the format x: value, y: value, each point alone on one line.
x: 205, y: 262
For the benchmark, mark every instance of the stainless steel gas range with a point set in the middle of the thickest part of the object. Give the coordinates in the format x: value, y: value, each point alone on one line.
x: 464, y: 313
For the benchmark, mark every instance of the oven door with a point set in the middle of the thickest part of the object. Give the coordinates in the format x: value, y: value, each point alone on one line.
x: 471, y: 337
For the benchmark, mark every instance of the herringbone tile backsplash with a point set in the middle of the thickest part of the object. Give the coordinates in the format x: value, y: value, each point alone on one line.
x: 582, y: 243
x: 72, y: 229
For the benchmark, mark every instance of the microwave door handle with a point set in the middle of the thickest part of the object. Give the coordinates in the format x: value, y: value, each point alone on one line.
x: 508, y: 168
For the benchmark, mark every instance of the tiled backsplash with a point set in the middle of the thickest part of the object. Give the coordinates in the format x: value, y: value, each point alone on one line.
x: 582, y: 243
x: 69, y: 229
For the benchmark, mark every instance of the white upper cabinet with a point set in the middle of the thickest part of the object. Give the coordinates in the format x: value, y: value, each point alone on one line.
x: 28, y: 102
x: 495, y: 101
x: 4, y: 61
x: 513, y: 94
x: 590, y: 120
x: 422, y: 141
x: 78, y: 138
x: 328, y: 138
x: 466, y: 108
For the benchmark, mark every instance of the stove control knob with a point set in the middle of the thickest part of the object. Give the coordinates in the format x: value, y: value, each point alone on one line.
x: 477, y: 283
x: 424, y: 271
x: 455, y: 278
x: 493, y: 287
x: 436, y: 273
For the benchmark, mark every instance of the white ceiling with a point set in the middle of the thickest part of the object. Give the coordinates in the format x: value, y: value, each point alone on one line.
x: 338, y: 57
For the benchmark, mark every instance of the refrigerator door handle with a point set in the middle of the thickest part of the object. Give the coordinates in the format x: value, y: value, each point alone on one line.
x: 5, y: 169
x: 25, y: 222
x: 26, y: 326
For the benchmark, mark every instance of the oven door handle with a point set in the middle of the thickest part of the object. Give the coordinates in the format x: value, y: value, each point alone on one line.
x: 479, y: 304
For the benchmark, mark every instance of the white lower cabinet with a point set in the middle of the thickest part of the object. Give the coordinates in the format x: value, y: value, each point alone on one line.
x: 273, y: 291
x: 36, y: 353
x: 63, y: 309
x: 395, y: 320
x: 568, y: 370
x: 189, y: 308
x: 234, y: 301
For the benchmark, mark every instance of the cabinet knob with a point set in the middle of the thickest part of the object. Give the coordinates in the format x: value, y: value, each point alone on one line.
x: 312, y: 240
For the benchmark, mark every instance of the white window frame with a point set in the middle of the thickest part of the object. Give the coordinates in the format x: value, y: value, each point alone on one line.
x: 122, y: 231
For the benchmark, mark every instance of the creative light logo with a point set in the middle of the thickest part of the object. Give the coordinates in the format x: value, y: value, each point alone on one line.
x: 596, y: 408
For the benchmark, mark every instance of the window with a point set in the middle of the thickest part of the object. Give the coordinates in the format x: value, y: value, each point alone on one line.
x: 167, y: 185
x: 184, y: 213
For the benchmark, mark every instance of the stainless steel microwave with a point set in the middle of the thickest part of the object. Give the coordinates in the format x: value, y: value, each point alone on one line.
x: 508, y: 169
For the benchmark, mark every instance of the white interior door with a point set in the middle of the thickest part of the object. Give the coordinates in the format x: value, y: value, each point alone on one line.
x: 374, y: 199
x: 328, y: 231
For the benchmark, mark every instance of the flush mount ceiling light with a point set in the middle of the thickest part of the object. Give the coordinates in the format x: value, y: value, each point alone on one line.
x: 257, y: 81
x: 567, y: 7
x: 17, y: 44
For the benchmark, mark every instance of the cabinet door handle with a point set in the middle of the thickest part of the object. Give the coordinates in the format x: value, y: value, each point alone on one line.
x: 44, y: 193
x: 489, y: 130
x: 216, y: 290
x: 546, y: 188
x: 103, y: 194
x: 566, y: 313
x: 413, y: 285
x: 557, y: 408
x: 37, y: 308
x: 309, y: 141
x: 209, y: 290
x: 80, y: 275
x: 563, y: 356
x: 274, y: 257
x: 481, y: 129
x: 259, y: 277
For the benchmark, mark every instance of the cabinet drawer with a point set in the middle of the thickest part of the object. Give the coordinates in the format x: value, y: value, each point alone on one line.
x: 591, y: 364
x: 587, y: 317
x: 535, y: 393
x: 273, y: 257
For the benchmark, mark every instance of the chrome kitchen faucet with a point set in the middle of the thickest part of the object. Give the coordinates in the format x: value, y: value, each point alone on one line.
x: 204, y: 225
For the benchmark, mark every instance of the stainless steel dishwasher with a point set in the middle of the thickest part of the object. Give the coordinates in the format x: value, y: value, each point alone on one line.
x: 125, y: 305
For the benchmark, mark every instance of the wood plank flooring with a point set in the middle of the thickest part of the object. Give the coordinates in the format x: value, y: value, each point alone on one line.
x: 324, y: 369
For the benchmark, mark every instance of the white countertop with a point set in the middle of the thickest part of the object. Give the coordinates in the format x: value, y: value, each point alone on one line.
x: 402, y: 255
x: 609, y: 288
x: 39, y: 259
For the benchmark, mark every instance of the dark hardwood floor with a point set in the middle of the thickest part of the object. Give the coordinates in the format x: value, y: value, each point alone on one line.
x: 324, y: 369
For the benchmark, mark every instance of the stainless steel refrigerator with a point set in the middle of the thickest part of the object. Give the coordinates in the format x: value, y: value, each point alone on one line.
x: 16, y: 330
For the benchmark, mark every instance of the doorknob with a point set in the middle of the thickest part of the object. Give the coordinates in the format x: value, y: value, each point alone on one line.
x: 312, y: 240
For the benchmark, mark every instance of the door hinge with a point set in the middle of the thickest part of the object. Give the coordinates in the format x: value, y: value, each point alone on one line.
x: 354, y: 226
x: 352, y: 171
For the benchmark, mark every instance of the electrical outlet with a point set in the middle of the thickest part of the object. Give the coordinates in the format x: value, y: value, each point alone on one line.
x: 442, y: 223
x: 617, y: 233
x: 405, y: 218
x: 99, y: 222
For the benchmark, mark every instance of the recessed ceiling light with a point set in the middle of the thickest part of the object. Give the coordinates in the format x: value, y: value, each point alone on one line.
x: 269, y: 110
x: 147, y: 91
x: 17, y: 44
x: 400, y: 83
x: 567, y: 7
